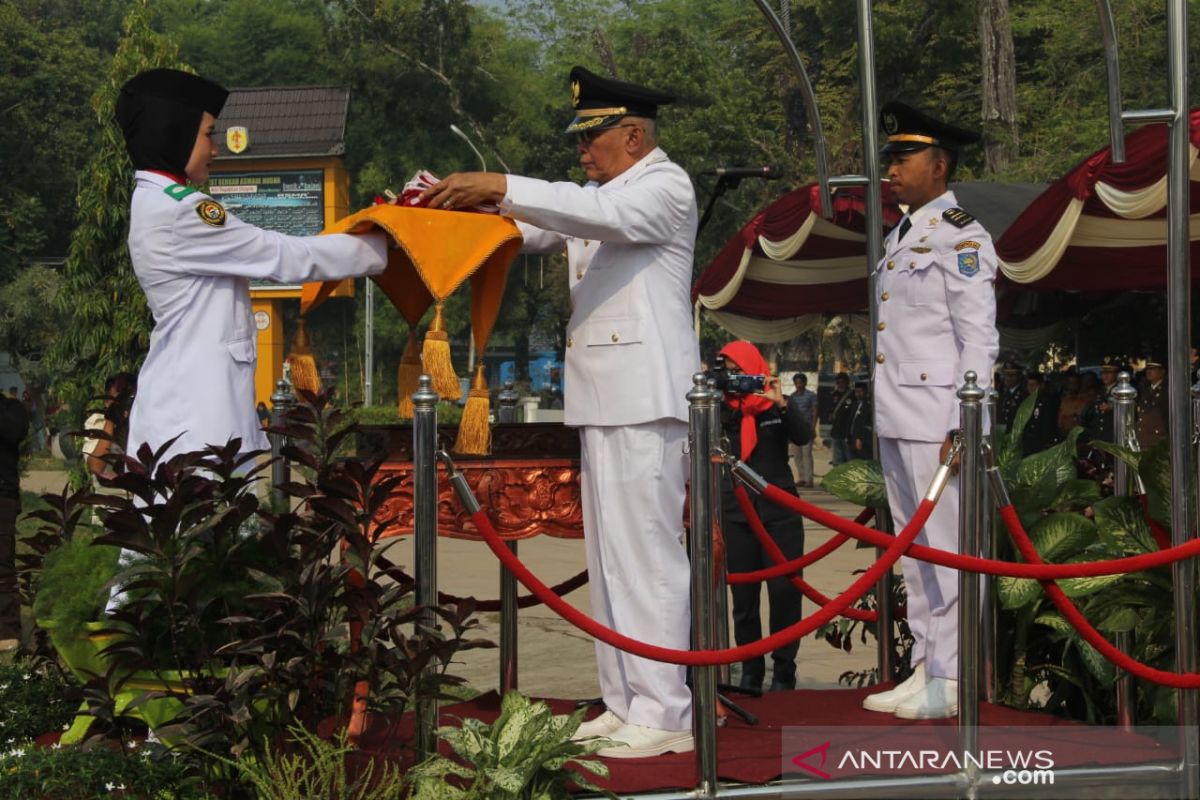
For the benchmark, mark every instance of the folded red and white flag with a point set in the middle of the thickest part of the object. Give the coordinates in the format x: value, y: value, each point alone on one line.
x: 418, y: 183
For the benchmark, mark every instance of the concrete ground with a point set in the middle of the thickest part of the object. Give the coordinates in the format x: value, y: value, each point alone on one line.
x: 555, y: 658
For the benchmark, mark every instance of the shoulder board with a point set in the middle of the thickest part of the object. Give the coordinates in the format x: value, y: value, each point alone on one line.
x: 177, y: 191
x: 957, y: 217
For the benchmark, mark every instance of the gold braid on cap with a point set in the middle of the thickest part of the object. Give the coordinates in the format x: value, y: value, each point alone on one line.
x: 601, y: 112
x: 588, y: 124
x: 912, y: 137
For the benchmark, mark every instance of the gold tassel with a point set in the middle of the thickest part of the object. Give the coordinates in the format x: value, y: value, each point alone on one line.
x: 474, y: 430
x: 407, y: 374
x: 304, y: 366
x: 435, y: 356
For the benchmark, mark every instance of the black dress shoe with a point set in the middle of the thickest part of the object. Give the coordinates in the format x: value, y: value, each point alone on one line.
x: 783, y: 684
x: 750, y: 683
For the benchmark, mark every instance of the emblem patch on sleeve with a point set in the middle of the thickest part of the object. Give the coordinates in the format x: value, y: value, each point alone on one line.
x: 213, y: 213
x: 968, y: 263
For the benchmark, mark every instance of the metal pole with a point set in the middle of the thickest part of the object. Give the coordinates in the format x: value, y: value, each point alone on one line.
x: 702, y: 402
x: 720, y: 588
x: 281, y: 471
x: 369, y: 344
x: 873, y: 196
x: 508, y: 626
x: 1112, y: 61
x: 988, y: 682
x: 969, y: 541
x: 1178, y: 335
x: 1124, y: 398
x: 425, y: 492
x: 810, y: 105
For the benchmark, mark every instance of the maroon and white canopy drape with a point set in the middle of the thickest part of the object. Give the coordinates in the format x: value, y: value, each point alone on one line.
x: 788, y: 267
x: 1103, y: 226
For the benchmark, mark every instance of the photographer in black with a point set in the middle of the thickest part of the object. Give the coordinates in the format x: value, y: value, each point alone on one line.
x: 759, y: 429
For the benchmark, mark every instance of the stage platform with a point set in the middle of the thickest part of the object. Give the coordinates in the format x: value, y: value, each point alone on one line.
x: 753, y: 755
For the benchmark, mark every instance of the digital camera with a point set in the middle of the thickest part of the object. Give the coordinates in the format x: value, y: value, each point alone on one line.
x: 734, y: 384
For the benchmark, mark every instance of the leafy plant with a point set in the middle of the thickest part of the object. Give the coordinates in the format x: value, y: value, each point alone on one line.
x: 859, y: 481
x: 36, y: 698
x: 526, y: 753
x: 73, y: 587
x: 315, y: 768
x: 1049, y: 665
x: 240, y: 611
x: 73, y: 773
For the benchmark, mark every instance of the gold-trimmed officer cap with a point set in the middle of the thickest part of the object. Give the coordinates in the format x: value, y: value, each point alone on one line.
x: 908, y: 129
x: 600, y: 102
x: 1156, y: 360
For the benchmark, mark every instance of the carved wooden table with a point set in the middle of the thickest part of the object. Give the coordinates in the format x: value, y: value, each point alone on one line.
x: 528, y: 486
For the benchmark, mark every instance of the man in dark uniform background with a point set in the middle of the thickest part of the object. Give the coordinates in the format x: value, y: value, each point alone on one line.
x: 1152, y: 413
x: 1041, y: 430
x: 1012, y: 394
x: 839, y: 418
x: 862, y: 423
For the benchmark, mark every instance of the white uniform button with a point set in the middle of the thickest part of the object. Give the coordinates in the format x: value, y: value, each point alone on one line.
x: 616, y: 338
x: 880, y: 358
x: 882, y: 326
x: 884, y: 297
x: 912, y: 265
x: 924, y: 376
x: 570, y: 341
x: 891, y: 265
x: 578, y: 274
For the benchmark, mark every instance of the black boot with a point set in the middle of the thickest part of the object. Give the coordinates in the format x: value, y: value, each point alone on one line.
x: 783, y: 683
x: 750, y: 682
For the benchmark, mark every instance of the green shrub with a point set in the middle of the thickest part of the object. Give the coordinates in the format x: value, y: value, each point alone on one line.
x: 71, y: 590
x: 72, y: 773
x: 36, y: 698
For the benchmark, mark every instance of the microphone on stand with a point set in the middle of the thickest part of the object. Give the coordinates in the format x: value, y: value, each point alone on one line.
x: 770, y: 172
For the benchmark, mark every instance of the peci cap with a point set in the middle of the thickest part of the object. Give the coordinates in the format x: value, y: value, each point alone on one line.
x: 908, y: 129
x: 159, y: 111
x: 600, y: 102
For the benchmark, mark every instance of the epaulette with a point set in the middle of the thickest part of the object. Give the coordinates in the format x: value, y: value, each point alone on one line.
x: 177, y: 191
x: 957, y: 217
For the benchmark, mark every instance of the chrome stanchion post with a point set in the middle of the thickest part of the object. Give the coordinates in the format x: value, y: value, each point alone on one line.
x: 425, y: 535
x: 507, y: 398
x: 720, y: 588
x: 989, y: 685
x: 281, y: 471
x: 969, y: 529
x: 702, y: 404
x: 507, y: 413
x: 1124, y: 398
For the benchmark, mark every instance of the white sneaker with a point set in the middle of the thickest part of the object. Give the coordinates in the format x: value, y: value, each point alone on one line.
x: 638, y: 741
x: 602, y: 725
x: 938, y: 700
x: 887, y: 701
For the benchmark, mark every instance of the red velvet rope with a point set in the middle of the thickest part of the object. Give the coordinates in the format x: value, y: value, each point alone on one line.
x: 797, y: 564
x: 768, y: 544
x: 702, y: 658
x: 1037, y: 571
x: 1187, y: 680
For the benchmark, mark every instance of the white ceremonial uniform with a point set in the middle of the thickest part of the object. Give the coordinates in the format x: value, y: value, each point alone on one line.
x: 630, y: 357
x: 936, y: 320
x: 197, y: 382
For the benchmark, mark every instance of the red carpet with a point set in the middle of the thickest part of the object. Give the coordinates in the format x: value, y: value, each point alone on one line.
x: 753, y: 754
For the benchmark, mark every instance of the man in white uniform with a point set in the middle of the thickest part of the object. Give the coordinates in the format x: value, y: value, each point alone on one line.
x: 937, y: 319
x: 195, y: 262
x: 629, y: 235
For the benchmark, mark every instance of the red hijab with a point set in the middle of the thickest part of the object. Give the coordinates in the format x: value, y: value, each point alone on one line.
x: 746, y: 356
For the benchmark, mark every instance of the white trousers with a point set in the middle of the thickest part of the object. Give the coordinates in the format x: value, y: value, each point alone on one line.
x: 632, y: 484
x: 908, y: 467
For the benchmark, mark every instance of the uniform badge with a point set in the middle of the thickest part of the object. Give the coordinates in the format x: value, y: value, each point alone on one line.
x: 921, y: 250
x: 890, y: 123
x: 968, y: 263
x: 575, y: 94
x: 237, y: 138
x: 968, y: 245
x: 213, y: 213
